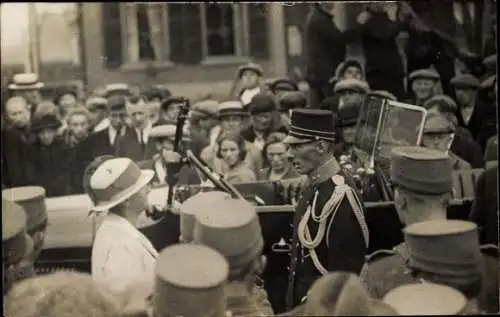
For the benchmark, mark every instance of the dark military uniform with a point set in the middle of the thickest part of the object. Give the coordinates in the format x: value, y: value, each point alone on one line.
x: 340, y: 230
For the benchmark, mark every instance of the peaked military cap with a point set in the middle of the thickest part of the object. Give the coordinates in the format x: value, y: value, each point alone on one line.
x: 168, y: 131
x: 437, y: 124
x: 252, y: 67
x: 426, y: 73
x: 425, y: 299
x: 348, y: 115
x: 443, y: 101
x: 16, y: 244
x: 465, y: 81
x: 292, y: 99
x: 444, y: 247
x: 231, y: 108
x: 32, y: 199
x: 262, y: 102
x: 172, y: 100
x: 283, y: 84
x: 205, y: 108
x: 310, y: 124
x: 233, y: 229
x: 190, y: 281
x: 383, y: 94
x: 198, y: 203
x: 352, y: 84
x: 421, y: 170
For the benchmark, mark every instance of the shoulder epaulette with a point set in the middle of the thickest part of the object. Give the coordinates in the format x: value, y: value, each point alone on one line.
x: 379, y: 254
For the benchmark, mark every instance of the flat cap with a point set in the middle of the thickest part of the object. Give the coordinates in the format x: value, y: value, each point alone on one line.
x: 262, y: 102
x: 190, y: 281
x: 426, y: 73
x: 383, y: 94
x: 444, y: 248
x: 231, y: 108
x: 205, y: 108
x: 425, y: 299
x: 194, y: 205
x: 441, y: 101
x: 16, y: 243
x: 283, y: 84
x: 32, y: 199
x: 233, y: 229
x: 252, y: 67
x: 352, y: 84
x: 291, y: 100
x: 437, y: 124
x: 421, y: 170
x: 465, y: 81
x: 168, y: 131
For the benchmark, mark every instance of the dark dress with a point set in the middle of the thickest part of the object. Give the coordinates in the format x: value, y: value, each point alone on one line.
x: 15, y: 166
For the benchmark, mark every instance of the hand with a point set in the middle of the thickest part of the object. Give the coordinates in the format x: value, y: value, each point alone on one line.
x: 171, y: 156
x: 363, y: 17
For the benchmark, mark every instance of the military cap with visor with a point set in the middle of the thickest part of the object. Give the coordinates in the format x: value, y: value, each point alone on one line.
x: 16, y: 244
x: 256, y: 68
x: 421, y: 170
x: 190, y: 281
x: 352, y: 84
x: 232, y: 228
x: 32, y: 199
x: 308, y: 125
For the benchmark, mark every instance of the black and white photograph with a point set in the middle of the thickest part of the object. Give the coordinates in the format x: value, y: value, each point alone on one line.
x: 244, y: 159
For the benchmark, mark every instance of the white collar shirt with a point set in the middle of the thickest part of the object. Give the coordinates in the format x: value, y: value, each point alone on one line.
x: 102, y: 125
x: 123, y: 258
x: 143, y: 139
x: 248, y: 94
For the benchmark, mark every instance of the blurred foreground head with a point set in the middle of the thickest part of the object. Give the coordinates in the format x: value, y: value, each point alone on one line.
x: 62, y: 294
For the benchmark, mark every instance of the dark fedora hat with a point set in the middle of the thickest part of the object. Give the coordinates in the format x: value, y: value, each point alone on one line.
x: 47, y: 121
x: 309, y: 125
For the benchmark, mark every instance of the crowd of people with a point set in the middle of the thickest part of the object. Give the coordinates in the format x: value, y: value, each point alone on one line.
x: 113, y: 145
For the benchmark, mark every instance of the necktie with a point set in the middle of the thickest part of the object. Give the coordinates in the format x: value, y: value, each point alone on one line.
x: 307, y: 195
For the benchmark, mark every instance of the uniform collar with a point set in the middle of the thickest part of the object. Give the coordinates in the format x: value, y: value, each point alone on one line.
x: 324, y: 172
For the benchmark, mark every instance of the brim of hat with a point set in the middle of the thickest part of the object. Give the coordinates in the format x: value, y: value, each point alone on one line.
x: 54, y: 126
x: 290, y: 139
x: 26, y: 87
x: 144, y: 179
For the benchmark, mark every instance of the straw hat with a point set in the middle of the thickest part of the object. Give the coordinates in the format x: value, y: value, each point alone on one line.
x: 25, y: 81
x: 115, y: 181
x: 168, y: 131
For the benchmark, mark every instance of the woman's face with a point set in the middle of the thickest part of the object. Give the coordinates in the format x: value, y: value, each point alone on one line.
x: 277, y: 156
x: 249, y: 79
x: 230, y: 152
x: 231, y: 123
x: 352, y: 72
x: 465, y: 97
x: 423, y: 88
x: 262, y: 121
x: 79, y: 126
x: 47, y: 136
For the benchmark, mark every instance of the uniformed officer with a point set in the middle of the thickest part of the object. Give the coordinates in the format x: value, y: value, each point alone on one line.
x: 16, y: 244
x: 351, y: 91
x: 330, y: 231
x: 444, y: 252
x: 426, y: 299
x: 32, y: 199
x: 438, y: 134
x: 422, y: 180
x: 424, y: 84
x: 190, y: 281
x: 232, y: 228
x: 340, y: 294
x: 194, y: 205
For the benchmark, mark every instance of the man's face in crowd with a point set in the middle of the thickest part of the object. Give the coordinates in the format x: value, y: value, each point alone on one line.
x: 67, y: 102
x: 207, y: 123
x: 231, y: 123
x: 164, y: 144
x: 97, y: 114
x: 423, y: 88
x: 117, y: 118
x: 138, y: 116
x: 230, y: 152
x: 352, y: 72
x: 154, y: 109
x: 172, y: 112
x: 465, y: 97
x: 79, y: 126
x: 47, y: 136
x: 304, y: 156
x: 249, y: 79
x: 262, y: 121
x: 437, y: 141
x: 277, y: 156
x: 18, y: 113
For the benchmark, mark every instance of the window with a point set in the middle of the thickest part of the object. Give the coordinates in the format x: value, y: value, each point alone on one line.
x: 144, y: 29
x: 223, y: 28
